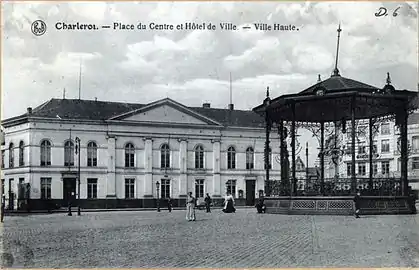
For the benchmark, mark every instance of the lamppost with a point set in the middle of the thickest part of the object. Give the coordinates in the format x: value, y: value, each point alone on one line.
x: 78, y: 152
x: 158, y: 197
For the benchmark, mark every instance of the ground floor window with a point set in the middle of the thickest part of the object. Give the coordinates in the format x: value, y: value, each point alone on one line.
x: 165, y: 188
x: 385, y: 167
x: 199, y: 188
x: 374, y: 168
x: 362, y: 169
x: 231, y: 187
x: 129, y: 188
x: 349, y: 169
x: 91, y: 188
x: 45, y: 188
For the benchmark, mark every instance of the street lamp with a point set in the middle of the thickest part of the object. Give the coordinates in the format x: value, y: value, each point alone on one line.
x: 158, y: 197
x: 78, y: 151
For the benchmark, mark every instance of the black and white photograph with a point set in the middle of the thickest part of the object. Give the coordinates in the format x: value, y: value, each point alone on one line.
x: 201, y: 134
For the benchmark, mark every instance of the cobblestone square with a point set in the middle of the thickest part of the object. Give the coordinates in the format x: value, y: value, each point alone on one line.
x: 243, y: 239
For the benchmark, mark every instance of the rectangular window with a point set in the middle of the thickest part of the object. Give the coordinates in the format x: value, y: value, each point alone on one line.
x: 415, y: 144
x: 375, y: 147
x: 165, y: 188
x: 385, y: 167
x: 385, y: 146
x: 415, y: 163
x: 2, y: 159
x: 361, y: 169
x: 45, y: 188
x: 231, y: 187
x: 129, y: 188
x: 199, y: 188
x: 385, y: 129
x: 2, y: 186
x: 349, y: 169
x: 375, y: 168
x: 361, y: 149
x: 91, y: 188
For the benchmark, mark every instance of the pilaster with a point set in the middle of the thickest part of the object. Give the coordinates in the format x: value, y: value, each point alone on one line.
x: 216, y: 148
x: 148, y: 167
x: 111, y: 174
x: 183, y: 166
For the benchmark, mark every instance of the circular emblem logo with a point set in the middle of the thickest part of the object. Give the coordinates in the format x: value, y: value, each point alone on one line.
x: 38, y: 28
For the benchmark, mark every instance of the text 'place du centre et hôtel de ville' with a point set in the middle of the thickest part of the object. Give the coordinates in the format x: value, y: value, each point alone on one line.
x: 224, y: 26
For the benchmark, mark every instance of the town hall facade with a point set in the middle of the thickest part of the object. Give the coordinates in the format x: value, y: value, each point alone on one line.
x: 132, y: 155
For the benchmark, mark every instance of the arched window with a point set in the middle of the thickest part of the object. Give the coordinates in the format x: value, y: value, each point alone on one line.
x: 165, y: 156
x: 21, y: 153
x: 45, y: 153
x: 250, y: 155
x: 129, y: 155
x: 199, y: 157
x: 91, y: 154
x: 231, y: 158
x: 11, y: 155
x: 68, y: 153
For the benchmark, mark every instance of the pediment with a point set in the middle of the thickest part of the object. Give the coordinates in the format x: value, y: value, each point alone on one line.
x: 166, y: 111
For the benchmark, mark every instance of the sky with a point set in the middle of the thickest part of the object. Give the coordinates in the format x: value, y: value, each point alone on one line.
x: 194, y: 67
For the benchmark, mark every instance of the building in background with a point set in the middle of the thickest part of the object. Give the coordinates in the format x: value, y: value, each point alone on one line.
x: 132, y: 154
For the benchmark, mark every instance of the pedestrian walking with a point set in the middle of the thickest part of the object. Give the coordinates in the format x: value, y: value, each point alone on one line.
x: 3, y: 203
x: 169, y: 204
x: 229, y: 204
x: 208, y: 202
x: 357, y: 201
x: 190, y: 207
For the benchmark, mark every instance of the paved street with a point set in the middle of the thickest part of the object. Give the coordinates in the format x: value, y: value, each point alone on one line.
x: 243, y: 239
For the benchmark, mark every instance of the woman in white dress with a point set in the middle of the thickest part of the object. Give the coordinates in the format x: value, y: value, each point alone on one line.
x: 229, y: 204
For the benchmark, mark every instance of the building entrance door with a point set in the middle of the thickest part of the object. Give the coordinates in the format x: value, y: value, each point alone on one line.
x: 69, y: 190
x: 250, y: 192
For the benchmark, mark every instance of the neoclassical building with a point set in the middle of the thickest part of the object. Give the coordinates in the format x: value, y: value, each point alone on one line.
x: 131, y: 154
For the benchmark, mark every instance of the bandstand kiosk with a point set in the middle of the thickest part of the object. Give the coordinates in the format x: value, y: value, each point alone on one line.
x: 337, y: 103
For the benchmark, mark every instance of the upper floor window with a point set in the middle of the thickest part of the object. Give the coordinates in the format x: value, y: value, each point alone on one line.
x: 129, y: 155
x: 91, y: 154
x: 361, y: 149
x: 385, y: 129
x: 11, y: 155
x: 165, y: 156
x: 348, y: 169
x: 415, y: 143
x: 21, y: 153
x: 45, y: 153
x: 415, y: 163
x: 2, y: 158
x: 68, y: 153
x: 250, y: 155
x: 199, y: 157
x: 231, y: 158
x: 385, y: 146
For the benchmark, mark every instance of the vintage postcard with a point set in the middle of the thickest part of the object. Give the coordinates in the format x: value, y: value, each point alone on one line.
x: 209, y: 134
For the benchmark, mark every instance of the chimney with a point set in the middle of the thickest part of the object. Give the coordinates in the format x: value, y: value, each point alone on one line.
x: 231, y: 107
x: 206, y: 105
x: 29, y: 110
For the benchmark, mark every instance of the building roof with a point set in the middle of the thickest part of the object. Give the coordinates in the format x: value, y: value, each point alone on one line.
x: 103, y: 110
x: 339, y: 83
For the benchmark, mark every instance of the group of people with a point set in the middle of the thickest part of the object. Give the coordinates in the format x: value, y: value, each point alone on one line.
x: 191, y: 204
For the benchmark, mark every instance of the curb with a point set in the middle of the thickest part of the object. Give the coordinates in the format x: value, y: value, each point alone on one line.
x: 74, y: 210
